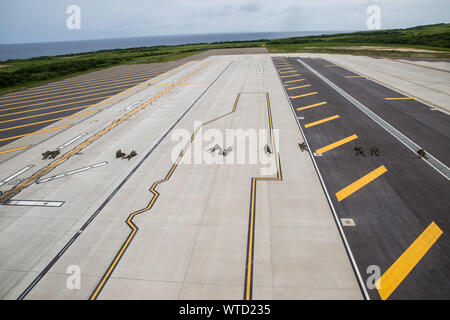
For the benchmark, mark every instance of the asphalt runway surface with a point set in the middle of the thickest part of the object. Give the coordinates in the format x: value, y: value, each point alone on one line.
x: 395, y: 206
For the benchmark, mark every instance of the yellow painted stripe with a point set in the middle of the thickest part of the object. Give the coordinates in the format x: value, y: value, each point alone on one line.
x: 392, y: 278
x: 284, y: 72
x: 304, y: 95
x: 406, y: 98
x: 354, y: 77
x: 50, y: 120
x: 15, y: 149
x: 36, y: 132
x: 292, y: 75
x: 312, y: 106
x: 306, y: 85
x: 74, y: 102
x: 336, y: 144
x: 85, y: 84
x: 52, y: 107
x: 72, y: 98
x: 312, y: 124
x: 358, y: 184
x: 298, y: 80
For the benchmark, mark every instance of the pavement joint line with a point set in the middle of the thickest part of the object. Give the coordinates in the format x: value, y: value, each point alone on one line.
x: 72, y: 141
x: 400, y: 269
x: 348, y: 250
x: 414, y: 147
x: 352, y: 77
x: 360, y: 183
x: 69, y: 173
x: 16, y: 174
x: 50, y: 120
x: 415, y: 64
x: 134, y: 228
x: 336, y: 144
x: 442, y: 109
x: 305, y: 86
x: 15, y: 149
x: 248, y: 284
x: 36, y: 132
x: 106, y: 201
x: 304, y: 95
x: 312, y: 106
x: 34, y: 203
x: 315, y: 123
x: 9, y: 194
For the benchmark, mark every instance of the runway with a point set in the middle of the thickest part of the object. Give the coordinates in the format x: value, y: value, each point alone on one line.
x: 261, y: 219
x: 401, y: 195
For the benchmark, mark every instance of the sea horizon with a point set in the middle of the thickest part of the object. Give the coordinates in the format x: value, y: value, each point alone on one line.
x: 44, y: 49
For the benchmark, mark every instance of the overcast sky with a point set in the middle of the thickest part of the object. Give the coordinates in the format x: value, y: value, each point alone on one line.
x: 45, y: 20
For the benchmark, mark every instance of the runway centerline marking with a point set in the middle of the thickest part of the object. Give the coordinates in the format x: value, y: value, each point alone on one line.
x: 360, y: 183
x: 400, y: 269
x: 62, y: 175
x: 304, y: 95
x: 312, y: 124
x: 336, y: 144
x: 312, y: 106
x: 16, y: 174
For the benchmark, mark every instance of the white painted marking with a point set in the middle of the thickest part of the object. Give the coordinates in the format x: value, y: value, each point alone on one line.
x: 317, y: 154
x: 132, y: 105
x: 72, y: 141
x: 301, y: 118
x: 72, y: 172
x: 18, y: 173
x: 34, y: 203
x: 348, y: 222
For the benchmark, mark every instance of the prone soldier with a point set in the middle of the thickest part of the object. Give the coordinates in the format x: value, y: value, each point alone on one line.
x: 374, y: 151
x: 422, y: 154
x: 131, y: 155
x: 303, y: 146
x: 120, y: 154
x: 359, y: 151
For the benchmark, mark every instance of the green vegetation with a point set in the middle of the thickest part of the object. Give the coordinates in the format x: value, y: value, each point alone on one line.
x: 16, y: 74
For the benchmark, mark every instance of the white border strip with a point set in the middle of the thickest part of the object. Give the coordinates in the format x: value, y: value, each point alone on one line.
x: 18, y: 173
x: 34, y: 203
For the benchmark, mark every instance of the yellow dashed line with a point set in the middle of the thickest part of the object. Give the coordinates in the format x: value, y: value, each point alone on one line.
x: 50, y: 120
x: 312, y: 106
x: 284, y: 72
x: 36, y: 132
x: 304, y: 95
x: 306, y: 85
x: 394, y: 276
x: 298, y: 80
x: 293, y: 75
x: 405, y: 98
x: 336, y: 144
x: 358, y: 184
x: 312, y: 124
x: 15, y: 149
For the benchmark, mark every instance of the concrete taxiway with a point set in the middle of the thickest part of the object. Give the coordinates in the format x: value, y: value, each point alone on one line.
x: 166, y: 225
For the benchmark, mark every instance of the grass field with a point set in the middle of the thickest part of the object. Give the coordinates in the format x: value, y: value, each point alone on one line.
x: 15, y: 74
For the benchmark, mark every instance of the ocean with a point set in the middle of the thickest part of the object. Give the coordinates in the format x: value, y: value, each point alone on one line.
x: 31, y: 50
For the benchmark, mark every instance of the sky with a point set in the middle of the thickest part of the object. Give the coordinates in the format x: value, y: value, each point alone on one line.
x: 23, y: 21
